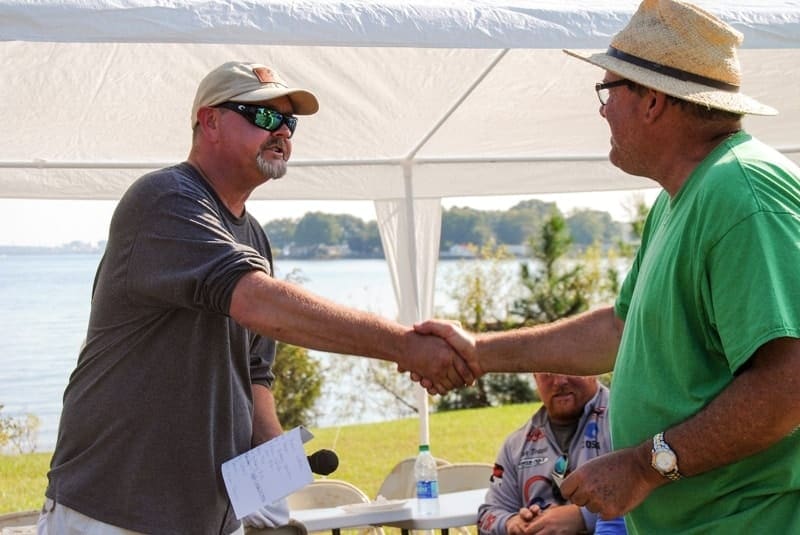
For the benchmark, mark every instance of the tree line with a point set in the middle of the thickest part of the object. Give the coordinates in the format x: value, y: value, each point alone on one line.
x: 318, y: 234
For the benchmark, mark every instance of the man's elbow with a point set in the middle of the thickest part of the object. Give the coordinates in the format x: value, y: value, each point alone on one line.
x: 245, y: 298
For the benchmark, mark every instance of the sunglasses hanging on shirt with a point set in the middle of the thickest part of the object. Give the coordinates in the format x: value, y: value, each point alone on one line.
x: 559, y: 473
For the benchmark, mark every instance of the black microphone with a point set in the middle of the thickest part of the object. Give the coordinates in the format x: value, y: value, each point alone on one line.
x: 323, y: 462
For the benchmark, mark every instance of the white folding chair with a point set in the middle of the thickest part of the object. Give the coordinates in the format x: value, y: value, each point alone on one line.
x: 293, y: 527
x: 330, y: 493
x: 399, y: 484
x: 464, y: 476
x: 20, y: 523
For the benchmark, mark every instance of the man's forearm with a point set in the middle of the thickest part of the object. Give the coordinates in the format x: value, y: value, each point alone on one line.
x: 765, y: 396
x: 585, y: 344
x: 757, y: 409
x: 291, y: 314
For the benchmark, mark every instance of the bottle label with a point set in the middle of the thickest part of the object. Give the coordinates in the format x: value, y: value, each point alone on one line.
x: 427, y: 489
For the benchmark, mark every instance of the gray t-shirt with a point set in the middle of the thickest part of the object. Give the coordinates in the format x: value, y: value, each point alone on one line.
x: 161, y: 395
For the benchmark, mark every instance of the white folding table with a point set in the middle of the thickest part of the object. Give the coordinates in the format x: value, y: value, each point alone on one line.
x: 455, y: 509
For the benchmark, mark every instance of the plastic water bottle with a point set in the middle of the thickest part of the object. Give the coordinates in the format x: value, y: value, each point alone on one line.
x: 427, y: 482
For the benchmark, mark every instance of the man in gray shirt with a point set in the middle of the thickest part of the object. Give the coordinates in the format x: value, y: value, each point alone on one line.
x: 174, y: 377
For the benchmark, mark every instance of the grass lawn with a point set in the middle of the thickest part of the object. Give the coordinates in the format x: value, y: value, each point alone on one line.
x: 367, y: 452
x: 22, y: 481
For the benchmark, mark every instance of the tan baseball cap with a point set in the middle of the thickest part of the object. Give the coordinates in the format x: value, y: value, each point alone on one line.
x: 249, y: 82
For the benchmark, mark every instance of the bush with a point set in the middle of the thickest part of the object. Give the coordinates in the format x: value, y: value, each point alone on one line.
x: 19, y: 433
x: 298, y: 384
x: 491, y: 390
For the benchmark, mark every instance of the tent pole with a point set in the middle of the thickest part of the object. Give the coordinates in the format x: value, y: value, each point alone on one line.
x: 408, y: 184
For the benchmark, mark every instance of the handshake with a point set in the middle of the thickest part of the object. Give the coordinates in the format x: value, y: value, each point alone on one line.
x: 441, y: 356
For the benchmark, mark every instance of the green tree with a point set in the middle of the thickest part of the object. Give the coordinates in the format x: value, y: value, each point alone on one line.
x: 524, y: 219
x: 281, y: 232
x: 480, y: 291
x: 555, y: 291
x: 351, y: 225
x: 588, y: 227
x: 511, y: 227
x: 637, y: 210
x: 372, y: 240
x: 464, y: 226
x: 317, y: 228
x: 563, y: 288
x: 361, y: 237
x: 297, y: 385
x: 19, y: 433
x: 540, y: 210
x: 481, y: 294
x: 626, y: 245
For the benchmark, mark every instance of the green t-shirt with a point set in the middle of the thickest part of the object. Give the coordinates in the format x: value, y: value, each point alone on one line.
x: 717, y: 276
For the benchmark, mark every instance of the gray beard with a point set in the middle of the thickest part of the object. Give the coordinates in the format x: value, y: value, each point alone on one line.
x: 271, y: 169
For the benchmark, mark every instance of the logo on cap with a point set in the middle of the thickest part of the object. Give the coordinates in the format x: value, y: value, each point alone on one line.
x: 264, y: 75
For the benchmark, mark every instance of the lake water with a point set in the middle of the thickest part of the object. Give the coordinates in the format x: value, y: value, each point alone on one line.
x: 44, y: 309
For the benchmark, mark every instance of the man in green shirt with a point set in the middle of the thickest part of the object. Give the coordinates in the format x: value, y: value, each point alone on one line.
x: 704, y: 338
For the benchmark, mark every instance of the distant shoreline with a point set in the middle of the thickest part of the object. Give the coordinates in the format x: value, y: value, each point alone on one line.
x: 88, y: 248
x: 67, y: 248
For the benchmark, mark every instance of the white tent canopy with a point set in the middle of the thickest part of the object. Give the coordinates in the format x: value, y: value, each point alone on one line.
x: 419, y: 100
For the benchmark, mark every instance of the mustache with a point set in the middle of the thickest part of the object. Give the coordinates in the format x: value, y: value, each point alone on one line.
x: 274, y: 143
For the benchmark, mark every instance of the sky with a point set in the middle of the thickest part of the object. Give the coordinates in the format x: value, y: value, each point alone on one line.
x: 56, y: 222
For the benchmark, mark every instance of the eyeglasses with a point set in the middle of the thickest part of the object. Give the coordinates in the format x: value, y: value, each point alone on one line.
x: 264, y: 118
x: 602, y: 88
x: 558, y: 475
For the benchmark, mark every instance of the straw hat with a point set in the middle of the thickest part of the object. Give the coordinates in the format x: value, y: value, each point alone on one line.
x: 683, y: 51
x: 249, y: 82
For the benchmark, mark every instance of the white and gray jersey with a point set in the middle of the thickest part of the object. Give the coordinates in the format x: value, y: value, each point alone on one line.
x: 523, y: 472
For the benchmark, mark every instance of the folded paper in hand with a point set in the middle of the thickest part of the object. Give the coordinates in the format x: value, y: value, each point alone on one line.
x: 268, y: 472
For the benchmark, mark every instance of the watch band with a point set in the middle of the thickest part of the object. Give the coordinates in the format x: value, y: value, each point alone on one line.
x: 661, y: 449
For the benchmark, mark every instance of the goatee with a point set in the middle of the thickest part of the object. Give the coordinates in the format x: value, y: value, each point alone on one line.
x: 271, y: 169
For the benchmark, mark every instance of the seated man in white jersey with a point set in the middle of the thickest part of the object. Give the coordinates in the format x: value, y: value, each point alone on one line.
x: 569, y: 429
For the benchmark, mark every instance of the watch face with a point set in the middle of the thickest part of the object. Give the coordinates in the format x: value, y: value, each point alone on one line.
x: 665, y: 461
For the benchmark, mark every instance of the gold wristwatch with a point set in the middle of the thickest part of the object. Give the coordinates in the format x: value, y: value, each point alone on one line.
x: 664, y: 459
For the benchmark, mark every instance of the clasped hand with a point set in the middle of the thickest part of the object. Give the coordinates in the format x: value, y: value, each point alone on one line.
x: 552, y: 520
x: 442, y: 358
